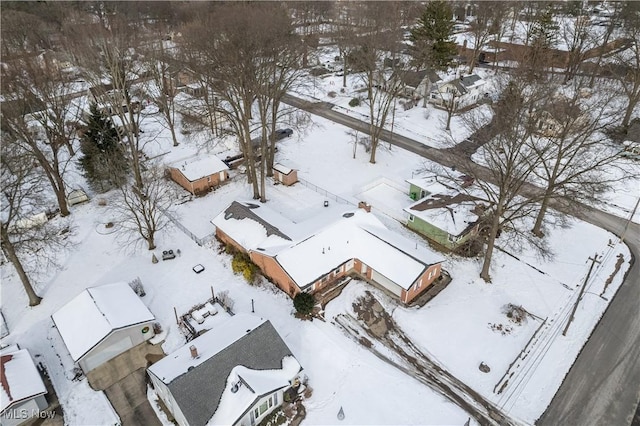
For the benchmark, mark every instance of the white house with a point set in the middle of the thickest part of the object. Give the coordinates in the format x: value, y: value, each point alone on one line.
x: 418, y: 84
x: 22, y: 391
x: 103, y: 322
x: 234, y: 374
x: 466, y: 90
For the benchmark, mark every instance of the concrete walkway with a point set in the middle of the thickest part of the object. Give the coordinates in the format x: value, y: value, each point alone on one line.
x: 123, y: 380
x: 129, y: 398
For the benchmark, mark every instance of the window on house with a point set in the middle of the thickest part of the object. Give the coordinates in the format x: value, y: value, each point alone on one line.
x: 270, y: 402
x: 208, y: 178
x: 337, y: 271
x: 256, y: 413
x: 411, y: 218
x: 264, y: 407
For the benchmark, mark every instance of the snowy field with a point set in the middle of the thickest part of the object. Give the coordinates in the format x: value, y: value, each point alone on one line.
x: 463, y: 326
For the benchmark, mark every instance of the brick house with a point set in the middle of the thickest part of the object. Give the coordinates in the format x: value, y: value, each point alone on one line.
x: 314, y: 254
x: 200, y: 175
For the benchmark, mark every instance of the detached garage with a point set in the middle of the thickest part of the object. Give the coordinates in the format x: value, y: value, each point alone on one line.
x: 198, y: 176
x: 103, y: 322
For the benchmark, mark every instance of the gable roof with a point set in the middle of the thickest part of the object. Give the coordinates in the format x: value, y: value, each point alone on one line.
x: 199, y: 385
x: 414, y: 78
x: 282, y: 168
x: 93, y: 314
x: 19, y: 378
x: 451, y: 211
x: 357, y: 235
x: 470, y: 80
x: 200, y: 168
x: 314, y: 247
x: 241, y: 211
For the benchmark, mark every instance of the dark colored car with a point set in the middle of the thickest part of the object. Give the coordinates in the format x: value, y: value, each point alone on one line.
x: 283, y: 133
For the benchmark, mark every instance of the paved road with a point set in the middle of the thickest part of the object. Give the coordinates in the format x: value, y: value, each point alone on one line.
x: 603, y: 385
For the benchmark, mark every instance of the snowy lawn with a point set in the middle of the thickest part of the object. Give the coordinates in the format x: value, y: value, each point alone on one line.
x: 455, y: 327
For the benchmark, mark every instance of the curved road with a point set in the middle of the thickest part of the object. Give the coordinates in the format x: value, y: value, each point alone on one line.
x: 603, y: 385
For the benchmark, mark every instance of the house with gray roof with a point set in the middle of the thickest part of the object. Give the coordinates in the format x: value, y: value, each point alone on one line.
x: 234, y: 374
x: 464, y: 91
x: 418, y: 84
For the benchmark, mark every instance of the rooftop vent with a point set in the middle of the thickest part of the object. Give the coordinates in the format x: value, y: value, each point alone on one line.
x: 350, y: 214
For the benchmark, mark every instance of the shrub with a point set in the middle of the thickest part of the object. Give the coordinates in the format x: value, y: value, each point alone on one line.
x: 354, y: 102
x: 304, y: 303
x: 332, y: 94
x: 241, y: 264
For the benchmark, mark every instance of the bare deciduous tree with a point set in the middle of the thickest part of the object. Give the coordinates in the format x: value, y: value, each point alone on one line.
x: 28, y: 240
x: 142, y: 214
x: 576, y: 160
x: 378, y: 62
x: 625, y: 64
x: 40, y: 117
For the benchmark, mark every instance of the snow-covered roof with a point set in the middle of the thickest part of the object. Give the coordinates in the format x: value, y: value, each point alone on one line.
x: 202, y: 167
x: 282, y: 169
x: 250, y: 385
x: 243, y: 348
x: 428, y: 183
x: 19, y: 378
x: 93, y: 314
x: 360, y: 236
x: 449, y: 210
x: 309, y: 252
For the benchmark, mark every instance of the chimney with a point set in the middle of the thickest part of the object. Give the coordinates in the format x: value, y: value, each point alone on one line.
x: 194, y: 351
x: 364, y: 205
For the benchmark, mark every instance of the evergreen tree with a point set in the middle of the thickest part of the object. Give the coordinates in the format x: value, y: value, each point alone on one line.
x: 104, y: 163
x: 431, y: 38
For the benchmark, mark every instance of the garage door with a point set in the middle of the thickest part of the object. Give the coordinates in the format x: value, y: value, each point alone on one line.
x: 105, y: 354
x: 386, y: 283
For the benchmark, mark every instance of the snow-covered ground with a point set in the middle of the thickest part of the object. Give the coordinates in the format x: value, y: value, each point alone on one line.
x: 459, y: 328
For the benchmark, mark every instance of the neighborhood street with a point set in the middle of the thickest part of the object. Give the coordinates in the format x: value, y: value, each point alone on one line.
x: 603, y: 385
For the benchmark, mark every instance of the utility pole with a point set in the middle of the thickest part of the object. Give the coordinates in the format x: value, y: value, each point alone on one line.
x: 626, y: 226
x: 593, y: 260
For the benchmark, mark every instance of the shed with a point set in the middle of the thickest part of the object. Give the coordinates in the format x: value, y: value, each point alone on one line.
x: 103, y: 322
x: 22, y: 391
x: 285, y: 175
x: 77, y: 196
x: 198, y: 176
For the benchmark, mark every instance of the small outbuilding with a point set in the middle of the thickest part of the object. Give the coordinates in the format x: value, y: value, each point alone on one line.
x: 200, y: 175
x: 285, y: 175
x: 77, y: 196
x: 103, y: 322
x: 22, y: 391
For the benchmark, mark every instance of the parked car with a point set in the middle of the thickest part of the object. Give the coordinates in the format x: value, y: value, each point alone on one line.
x: 283, y: 133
